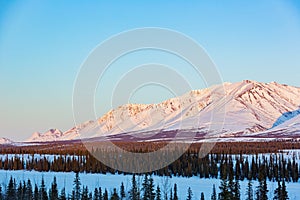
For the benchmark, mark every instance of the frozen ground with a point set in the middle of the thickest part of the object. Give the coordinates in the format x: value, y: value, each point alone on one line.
x: 110, y: 181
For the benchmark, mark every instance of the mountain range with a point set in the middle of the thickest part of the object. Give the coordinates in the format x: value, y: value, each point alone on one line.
x: 231, y: 110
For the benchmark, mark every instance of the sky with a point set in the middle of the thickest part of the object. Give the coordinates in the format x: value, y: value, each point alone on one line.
x: 44, y: 43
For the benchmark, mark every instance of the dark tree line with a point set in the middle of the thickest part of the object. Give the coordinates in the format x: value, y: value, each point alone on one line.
x: 229, y: 190
x: 77, y: 148
x: 230, y: 187
x: 24, y: 190
x: 276, y: 166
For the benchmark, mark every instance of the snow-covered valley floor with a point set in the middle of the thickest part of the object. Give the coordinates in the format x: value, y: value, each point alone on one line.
x: 111, y: 181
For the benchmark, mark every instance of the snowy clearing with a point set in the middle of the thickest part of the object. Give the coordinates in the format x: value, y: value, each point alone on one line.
x: 110, y: 181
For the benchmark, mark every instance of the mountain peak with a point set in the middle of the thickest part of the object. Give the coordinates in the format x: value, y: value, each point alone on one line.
x: 53, y: 131
x: 51, y: 135
x: 249, y: 81
x: 5, y: 141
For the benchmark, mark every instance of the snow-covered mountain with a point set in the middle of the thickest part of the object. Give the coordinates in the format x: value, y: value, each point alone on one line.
x: 58, y: 135
x: 74, y: 132
x: 288, y: 129
x: 5, y: 141
x: 230, y: 109
x: 51, y: 135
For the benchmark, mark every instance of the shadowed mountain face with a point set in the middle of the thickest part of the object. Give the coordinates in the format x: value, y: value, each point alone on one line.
x: 231, y: 109
x: 285, y: 117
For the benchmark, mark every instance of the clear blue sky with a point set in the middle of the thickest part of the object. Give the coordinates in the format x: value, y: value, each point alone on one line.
x: 43, y: 43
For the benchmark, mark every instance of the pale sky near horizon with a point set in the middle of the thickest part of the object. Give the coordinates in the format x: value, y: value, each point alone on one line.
x: 43, y: 44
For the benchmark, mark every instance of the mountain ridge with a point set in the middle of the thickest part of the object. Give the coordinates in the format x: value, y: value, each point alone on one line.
x: 247, y: 107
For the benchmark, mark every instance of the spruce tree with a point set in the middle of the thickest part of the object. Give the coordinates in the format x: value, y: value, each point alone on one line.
x: 100, y: 194
x: 145, y: 188
x: 1, y: 195
x: 277, y: 192
x: 262, y: 189
x: 96, y: 194
x: 151, y: 188
x: 158, y: 193
x: 53, y: 192
x: 224, y: 192
x: 249, y: 192
x: 284, y: 193
x: 165, y: 187
x: 264, y: 194
x: 20, y: 192
x: 77, y: 187
x: 148, y: 188
x: 214, y: 193
x: 189, y: 194
x: 72, y: 196
x: 122, y: 191
x: 134, y: 191
x: 114, y: 195
x: 231, y: 183
x: 105, y: 195
x: 11, y: 190
x: 85, y: 193
x: 202, y: 196
x: 175, y: 192
x: 36, y: 192
x: 43, y: 192
x: 62, y: 195
x: 236, y: 190
x: 28, y: 191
